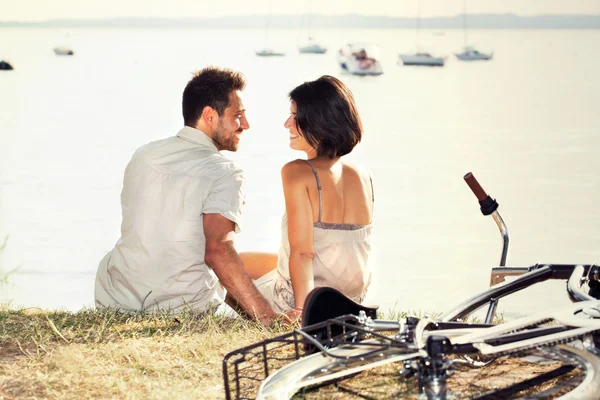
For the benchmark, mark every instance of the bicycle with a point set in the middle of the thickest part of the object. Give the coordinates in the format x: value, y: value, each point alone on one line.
x: 341, y: 340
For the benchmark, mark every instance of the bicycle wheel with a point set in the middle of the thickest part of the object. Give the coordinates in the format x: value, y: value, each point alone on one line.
x: 533, y: 363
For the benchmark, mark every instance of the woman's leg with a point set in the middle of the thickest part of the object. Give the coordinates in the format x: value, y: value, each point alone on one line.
x: 258, y: 264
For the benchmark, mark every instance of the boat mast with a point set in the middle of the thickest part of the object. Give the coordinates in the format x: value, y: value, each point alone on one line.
x: 268, y: 23
x: 309, y: 17
x: 418, y: 24
x: 465, y: 22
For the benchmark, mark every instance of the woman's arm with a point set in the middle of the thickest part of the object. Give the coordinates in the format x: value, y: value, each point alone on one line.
x: 300, y: 228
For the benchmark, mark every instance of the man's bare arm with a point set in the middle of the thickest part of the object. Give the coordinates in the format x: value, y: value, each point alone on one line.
x: 222, y: 257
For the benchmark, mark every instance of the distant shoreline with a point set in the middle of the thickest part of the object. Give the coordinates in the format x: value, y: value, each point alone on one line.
x: 349, y: 21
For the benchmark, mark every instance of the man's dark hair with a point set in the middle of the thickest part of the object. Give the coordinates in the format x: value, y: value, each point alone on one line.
x: 211, y: 87
x: 327, y: 117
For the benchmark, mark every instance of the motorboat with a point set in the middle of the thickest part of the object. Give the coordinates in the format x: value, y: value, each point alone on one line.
x: 63, y: 51
x: 421, y: 58
x: 311, y: 46
x: 269, y: 53
x: 360, y: 59
x: 5, y: 66
x: 472, y: 54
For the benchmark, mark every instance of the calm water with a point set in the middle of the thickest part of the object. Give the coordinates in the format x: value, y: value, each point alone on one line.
x: 526, y: 124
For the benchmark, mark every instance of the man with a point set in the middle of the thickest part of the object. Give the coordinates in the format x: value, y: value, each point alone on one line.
x: 181, y: 204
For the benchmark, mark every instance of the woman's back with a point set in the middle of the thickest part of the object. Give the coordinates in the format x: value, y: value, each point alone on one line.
x: 340, y: 237
x: 346, y: 192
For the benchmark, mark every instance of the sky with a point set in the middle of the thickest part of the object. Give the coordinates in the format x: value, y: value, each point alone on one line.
x: 39, y: 10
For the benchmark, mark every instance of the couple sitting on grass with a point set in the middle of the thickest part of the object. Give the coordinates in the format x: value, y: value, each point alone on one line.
x: 182, y: 205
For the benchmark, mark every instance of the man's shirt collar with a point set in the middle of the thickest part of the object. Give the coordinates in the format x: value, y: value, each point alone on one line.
x: 196, y: 136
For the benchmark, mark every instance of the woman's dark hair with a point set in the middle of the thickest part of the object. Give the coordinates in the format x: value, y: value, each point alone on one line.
x: 209, y: 87
x: 327, y: 117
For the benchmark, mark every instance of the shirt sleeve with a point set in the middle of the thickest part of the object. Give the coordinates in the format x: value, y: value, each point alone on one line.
x: 226, y: 197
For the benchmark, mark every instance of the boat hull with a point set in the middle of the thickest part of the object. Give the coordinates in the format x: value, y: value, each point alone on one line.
x: 473, y: 57
x: 5, y: 66
x: 312, y: 51
x: 269, y: 54
x: 424, y: 61
x: 355, y: 68
x: 60, y: 51
x: 312, y: 48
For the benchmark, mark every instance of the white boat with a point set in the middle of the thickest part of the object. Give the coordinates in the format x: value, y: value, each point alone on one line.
x: 471, y: 54
x: 422, y: 59
x: 311, y: 46
x: 63, y: 51
x: 360, y: 59
x: 268, y: 53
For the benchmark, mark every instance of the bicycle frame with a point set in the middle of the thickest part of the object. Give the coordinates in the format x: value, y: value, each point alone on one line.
x: 354, y: 328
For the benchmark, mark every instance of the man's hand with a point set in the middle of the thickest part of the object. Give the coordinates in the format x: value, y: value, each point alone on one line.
x: 220, y: 255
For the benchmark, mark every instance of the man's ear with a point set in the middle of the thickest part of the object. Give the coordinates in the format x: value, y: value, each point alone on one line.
x: 208, y: 115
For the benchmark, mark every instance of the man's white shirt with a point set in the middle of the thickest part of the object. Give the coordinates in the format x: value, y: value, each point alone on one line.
x: 159, y: 260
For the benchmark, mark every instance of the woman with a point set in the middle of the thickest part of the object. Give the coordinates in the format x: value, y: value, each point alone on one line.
x: 326, y: 229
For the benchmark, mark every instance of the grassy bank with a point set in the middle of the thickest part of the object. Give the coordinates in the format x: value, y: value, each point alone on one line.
x: 105, y: 354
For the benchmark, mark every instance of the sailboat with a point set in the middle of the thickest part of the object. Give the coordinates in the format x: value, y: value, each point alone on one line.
x: 420, y: 57
x: 311, y: 45
x: 469, y: 53
x: 267, y: 51
x: 64, y: 50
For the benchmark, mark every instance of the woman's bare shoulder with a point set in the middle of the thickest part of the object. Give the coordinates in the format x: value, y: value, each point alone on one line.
x: 357, y: 169
x: 296, y: 168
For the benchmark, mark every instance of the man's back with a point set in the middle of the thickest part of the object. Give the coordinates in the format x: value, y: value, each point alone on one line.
x: 159, y: 260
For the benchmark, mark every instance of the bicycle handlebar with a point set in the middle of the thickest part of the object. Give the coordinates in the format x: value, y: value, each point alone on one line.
x: 475, y: 186
x: 488, y: 205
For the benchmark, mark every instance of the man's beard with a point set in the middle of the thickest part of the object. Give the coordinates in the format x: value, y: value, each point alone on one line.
x: 221, y: 141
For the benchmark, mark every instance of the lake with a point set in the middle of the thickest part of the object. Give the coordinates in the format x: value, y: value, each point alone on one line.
x: 526, y: 124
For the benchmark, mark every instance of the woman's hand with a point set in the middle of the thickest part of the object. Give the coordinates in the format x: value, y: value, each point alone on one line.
x: 295, y: 314
x: 291, y: 318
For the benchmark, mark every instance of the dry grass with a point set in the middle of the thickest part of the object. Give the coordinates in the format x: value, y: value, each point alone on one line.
x: 111, y: 355
x: 106, y: 354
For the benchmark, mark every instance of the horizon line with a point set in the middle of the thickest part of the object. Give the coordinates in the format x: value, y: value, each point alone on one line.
x: 460, y: 15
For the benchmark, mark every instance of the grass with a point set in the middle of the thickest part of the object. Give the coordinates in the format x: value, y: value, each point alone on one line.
x: 107, y: 354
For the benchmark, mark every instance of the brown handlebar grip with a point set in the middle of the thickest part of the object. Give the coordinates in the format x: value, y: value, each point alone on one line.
x: 475, y: 186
